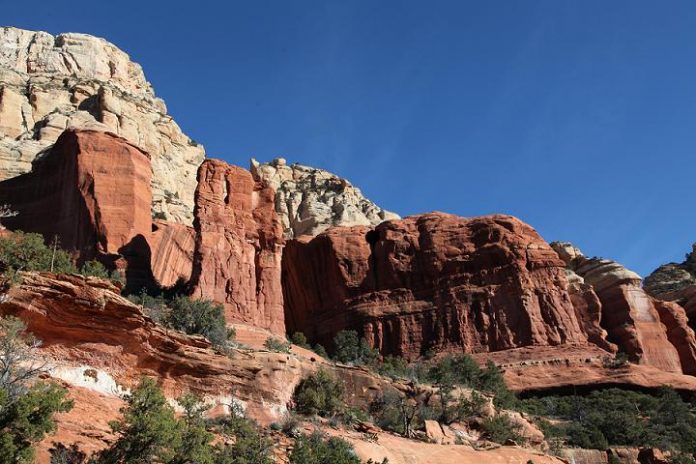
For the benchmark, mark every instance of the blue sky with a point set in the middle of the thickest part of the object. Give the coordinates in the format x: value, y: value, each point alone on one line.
x: 579, y: 117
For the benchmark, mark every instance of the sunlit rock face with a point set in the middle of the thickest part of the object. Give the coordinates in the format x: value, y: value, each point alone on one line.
x: 310, y: 200
x: 434, y: 282
x: 51, y: 83
x: 652, y: 332
x: 239, y: 245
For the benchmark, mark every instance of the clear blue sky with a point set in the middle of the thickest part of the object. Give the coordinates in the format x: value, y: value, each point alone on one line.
x: 579, y: 117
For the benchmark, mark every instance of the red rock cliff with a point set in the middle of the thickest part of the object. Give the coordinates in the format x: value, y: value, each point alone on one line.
x: 434, y: 281
x: 651, y: 332
x: 239, y: 246
x: 92, y: 190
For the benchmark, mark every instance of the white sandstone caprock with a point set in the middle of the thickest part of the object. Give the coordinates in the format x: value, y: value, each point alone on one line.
x: 310, y: 200
x: 48, y: 84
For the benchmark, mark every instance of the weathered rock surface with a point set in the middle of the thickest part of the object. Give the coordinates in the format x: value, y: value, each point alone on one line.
x: 172, y: 247
x: 92, y: 190
x: 649, y: 332
x: 676, y: 282
x: 672, y: 277
x: 49, y: 84
x: 588, y: 309
x: 432, y: 282
x: 239, y: 245
x: 310, y: 200
x: 96, y: 339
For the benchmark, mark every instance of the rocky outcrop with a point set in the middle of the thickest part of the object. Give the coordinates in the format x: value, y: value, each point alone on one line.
x: 648, y: 331
x: 577, y: 369
x: 92, y: 191
x: 237, y: 259
x: 676, y: 282
x: 49, y: 84
x: 672, y: 277
x: 94, y: 338
x: 432, y: 282
x: 310, y: 200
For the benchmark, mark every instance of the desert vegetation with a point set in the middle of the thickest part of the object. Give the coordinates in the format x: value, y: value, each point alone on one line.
x: 27, y: 404
x: 190, y: 316
x: 615, y: 417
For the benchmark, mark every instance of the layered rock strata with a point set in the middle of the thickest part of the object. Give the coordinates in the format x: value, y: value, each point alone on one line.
x: 94, y: 338
x: 52, y: 83
x: 647, y: 330
x: 432, y: 282
x: 310, y: 200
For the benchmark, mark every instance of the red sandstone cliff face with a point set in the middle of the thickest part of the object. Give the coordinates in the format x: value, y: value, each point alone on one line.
x: 238, y: 246
x: 651, y: 332
x: 172, y: 252
x: 92, y: 190
x: 434, y: 281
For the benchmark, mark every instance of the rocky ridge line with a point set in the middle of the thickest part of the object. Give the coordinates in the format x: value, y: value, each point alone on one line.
x: 310, y: 200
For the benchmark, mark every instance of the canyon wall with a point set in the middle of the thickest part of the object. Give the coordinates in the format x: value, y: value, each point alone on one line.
x: 434, y: 282
x: 239, y: 246
x: 92, y: 190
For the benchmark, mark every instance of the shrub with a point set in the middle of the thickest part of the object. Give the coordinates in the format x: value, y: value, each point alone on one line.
x: 148, y: 431
x: 619, y: 360
x: 290, y: 425
x: 350, y: 348
x: 199, y: 317
x: 95, y: 269
x: 249, y: 446
x: 315, y: 449
x: 299, y: 339
x: 321, y: 351
x: 26, y: 406
x: 614, y: 417
x: 400, y: 413
x: 276, y: 345
x: 500, y: 429
x: 462, y: 370
x: 61, y: 454
x: 27, y: 418
x: 352, y: 415
x: 393, y: 366
x: 319, y: 393
x: 195, y: 439
x: 28, y: 252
